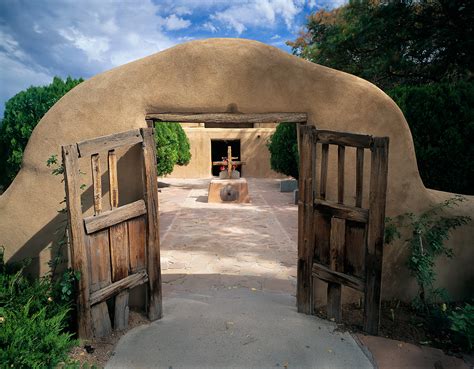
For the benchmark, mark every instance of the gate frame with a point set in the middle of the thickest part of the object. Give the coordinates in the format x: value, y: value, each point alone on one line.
x: 308, y: 201
x: 78, y: 224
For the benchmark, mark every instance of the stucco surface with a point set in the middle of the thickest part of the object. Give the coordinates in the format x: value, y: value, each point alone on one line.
x: 216, y: 75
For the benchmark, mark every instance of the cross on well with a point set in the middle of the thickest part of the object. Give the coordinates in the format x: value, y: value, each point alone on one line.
x: 229, y: 162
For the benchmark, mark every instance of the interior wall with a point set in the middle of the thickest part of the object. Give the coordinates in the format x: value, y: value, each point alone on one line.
x: 253, y: 148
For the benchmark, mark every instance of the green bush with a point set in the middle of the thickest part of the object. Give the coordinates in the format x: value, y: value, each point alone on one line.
x: 462, y: 322
x: 22, y: 113
x: 283, y: 147
x: 172, y: 147
x: 34, y: 314
x: 441, y: 119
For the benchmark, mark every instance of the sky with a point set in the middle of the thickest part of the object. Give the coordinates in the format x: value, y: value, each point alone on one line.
x: 40, y: 39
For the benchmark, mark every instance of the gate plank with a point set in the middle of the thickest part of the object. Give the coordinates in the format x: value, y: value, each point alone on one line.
x: 341, y: 150
x: 121, y: 311
x: 136, y: 240
x: 375, y: 233
x: 354, y: 261
x: 155, y: 305
x: 324, y: 171
x: 119, y: 251
x: 359, y: 176
x: 337, y: 241
x: 110, y: 142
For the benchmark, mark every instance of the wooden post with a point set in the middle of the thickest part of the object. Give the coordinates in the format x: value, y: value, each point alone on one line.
x: 359, y: 176
x: 155, y: 309
x: 376, y: 226
x: 77, y: 239
x: 305, y: 219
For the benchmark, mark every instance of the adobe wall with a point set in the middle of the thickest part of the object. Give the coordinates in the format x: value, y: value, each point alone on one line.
x: 253, y: 150
x: 216, y: 75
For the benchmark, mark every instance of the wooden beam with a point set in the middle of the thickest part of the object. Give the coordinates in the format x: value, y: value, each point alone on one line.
x: 110, y: 142
x: 155, y: 294
x: 111, y: 217
x: 324, y: 170
x: 336, y: 262
x: 77, y: 239
x: 328, y: 275
x: 375, y: 234
x: 97, y: 183
x: 345, y: 138
x: 228, y: 117
x: 342, y: 211
x: 131, y: 281
x: 341, y: 150
x: 359, y: 176
x: 113, y: 179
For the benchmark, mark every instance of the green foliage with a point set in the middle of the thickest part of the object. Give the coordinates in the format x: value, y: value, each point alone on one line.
x: 429, y: 232
x: 441, y: 119
x: 22, y: 113
x: 393, y: 42
x: 417, y: 51
x: 462, y: 322
x: 33, y: 318
x: 172, y: 147
x: 283, y: 147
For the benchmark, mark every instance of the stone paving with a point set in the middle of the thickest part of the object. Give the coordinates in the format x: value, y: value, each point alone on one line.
x: 227, y: 245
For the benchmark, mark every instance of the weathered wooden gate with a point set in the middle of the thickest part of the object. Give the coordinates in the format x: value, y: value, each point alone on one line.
x: 338, y: 242
x: 117, y: 249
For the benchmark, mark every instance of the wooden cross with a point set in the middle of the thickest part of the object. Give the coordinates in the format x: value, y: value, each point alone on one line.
x: 229, y: 162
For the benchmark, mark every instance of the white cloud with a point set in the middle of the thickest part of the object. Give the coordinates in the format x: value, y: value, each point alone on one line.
x: 258, y: 13
x: 93, y: 47
x: 208, y: 26
x: 174, y: 23
x: 182, y: 10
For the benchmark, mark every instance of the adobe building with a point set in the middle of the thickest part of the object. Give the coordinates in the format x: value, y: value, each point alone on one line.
x: 222, y: 76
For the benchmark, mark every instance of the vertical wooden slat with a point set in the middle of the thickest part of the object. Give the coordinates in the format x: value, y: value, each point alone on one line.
x: 324, y: 171
x: 97, y: 183
x: 375, y: 233
x: 136, y: 240
x: 77, y: 239
x: 337, y: 241
x: 305, y: 219
x: 119, y: 251
x: 155, y: 308
x: 359, y: 176
x: 113, y: 192
x: 354, y: 255
x: 341, y: 150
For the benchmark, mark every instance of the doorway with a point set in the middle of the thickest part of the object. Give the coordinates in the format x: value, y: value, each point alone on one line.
x: 219, y: 151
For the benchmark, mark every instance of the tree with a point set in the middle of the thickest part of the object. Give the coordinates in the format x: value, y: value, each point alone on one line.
x: 418, y: 52
x: 22, y: 113
x: 393, y: 42
x: 283, y: 147
x: 172, y: 147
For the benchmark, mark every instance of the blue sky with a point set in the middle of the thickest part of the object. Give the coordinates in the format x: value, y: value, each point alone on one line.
x: 40, y: 39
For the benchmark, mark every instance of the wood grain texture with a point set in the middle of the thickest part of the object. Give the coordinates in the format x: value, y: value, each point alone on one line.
x: 115, y: 216
x: 355, y: 248
x: 326, y: 274
x: 77, y: 239
x: 375, y: 233
x: 96, y: 183
x: 99, y: 260
x: 229, y: 117
x: 155, y: 297
x: 136, y: 241
x: 322, y: 229
x: 341, y: 152
x: 113, y: 181
x: 119, y: 251
x: 337, y: 241
x: 342, y: 211
x: 345, y: 139
x: 324, y: 170
x: 102, y: 327
x: 121, y: 311
x: 305, y: 220
x: 110, y: 142
x: 131, y: 281
x: 359, y: 176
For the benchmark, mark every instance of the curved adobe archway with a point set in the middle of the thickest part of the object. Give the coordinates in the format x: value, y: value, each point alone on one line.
x: 211, y: 76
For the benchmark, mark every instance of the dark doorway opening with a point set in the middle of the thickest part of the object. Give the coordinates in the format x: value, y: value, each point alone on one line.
x: 219, y: 151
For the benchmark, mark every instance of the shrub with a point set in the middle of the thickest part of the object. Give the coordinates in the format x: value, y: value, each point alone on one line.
x: 22, y: 113
x: 283, y: 147
x: 462, y: 322
x: 33, y: 316
x: 172, y: 147
x: 441, y: 119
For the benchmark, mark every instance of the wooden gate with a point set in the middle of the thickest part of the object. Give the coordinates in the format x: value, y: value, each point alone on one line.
x: 341, y: 242
x: 117, y: 249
